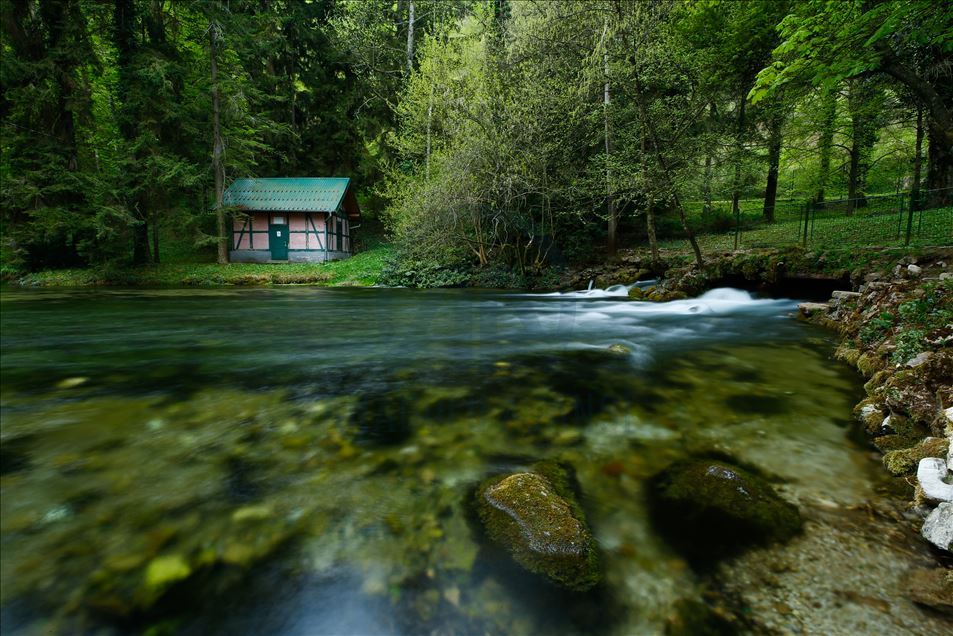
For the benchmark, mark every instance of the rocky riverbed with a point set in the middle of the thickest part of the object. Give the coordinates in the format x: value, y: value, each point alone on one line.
x: 372, y: 478
x: 894, y: 318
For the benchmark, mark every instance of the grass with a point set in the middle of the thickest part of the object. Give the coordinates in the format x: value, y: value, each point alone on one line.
x: 866, y: 228
x: 361, y: 270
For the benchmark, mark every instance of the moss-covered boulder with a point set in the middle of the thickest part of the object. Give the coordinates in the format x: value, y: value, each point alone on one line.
x: 904, y: 461
x: 711, y: 507
x: 536, y: 518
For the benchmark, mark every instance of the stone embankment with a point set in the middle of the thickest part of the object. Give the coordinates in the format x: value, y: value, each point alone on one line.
x: 897, y: 330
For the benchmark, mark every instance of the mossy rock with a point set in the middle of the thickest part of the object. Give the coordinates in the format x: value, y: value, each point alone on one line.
x: 870, y: 363
x: 905, y: 461
x: 870, y: 413
x: 695, y: 618
x: 535, y: 517
x: 848, y: 353
x: 636, y: 293
x: 710, y: 507
x: 382, y: 419
x: 878, y: 380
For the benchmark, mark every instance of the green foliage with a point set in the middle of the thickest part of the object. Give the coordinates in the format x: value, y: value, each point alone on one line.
x: 500, y: 142
x: 907, y: 343
x: 876, y: 328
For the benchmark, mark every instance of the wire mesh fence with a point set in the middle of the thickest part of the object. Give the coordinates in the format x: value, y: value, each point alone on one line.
x: 919, y: 218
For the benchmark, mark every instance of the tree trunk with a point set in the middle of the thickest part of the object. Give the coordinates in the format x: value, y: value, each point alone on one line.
x: 939, y: 167
x: 217, y: 165
x: 610, y: 199
x: 775, y: 123
x: 739, y: 151
x: 917, y: 162
x: 649, y: 207
x: 155, y: 238
x: 410, y: 37
x: 863, y: 137
x: 706, y: 184
x: 124, y: 26
x: 140, y: 241
x: 429, y: 123
x: 938, y: 98
x: 826, y: 145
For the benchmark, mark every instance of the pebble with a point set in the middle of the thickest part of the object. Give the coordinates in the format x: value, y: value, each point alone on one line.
x: 70, y: 383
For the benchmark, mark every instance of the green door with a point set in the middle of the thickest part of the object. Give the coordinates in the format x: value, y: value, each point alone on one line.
x: 278, y: 241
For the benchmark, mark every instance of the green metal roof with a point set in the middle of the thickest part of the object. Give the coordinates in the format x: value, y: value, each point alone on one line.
x: 305, y: 194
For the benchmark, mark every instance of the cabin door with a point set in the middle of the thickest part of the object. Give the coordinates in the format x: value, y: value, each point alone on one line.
x: 278, y: 241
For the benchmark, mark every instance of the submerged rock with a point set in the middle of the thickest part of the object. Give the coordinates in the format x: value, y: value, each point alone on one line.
x: 938, y: 527
x: 932, y: 587
x: 618, y: 349
x: 536, y: 519
x: 382, y: 419
x: 710, y: 506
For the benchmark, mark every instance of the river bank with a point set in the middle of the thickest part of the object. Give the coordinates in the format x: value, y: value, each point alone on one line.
x: 361, y: 270
x: 893, y: 314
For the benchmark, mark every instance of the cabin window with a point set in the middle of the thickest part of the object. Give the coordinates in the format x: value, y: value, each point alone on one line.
x: 278, y: 220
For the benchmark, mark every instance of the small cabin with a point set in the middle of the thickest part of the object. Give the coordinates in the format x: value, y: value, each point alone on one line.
x: 291, y: 219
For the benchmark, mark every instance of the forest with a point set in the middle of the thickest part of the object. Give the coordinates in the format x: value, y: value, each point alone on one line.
x: 489, y: 134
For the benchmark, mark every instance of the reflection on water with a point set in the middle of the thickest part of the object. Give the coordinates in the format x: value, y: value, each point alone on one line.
x: 301, y: 460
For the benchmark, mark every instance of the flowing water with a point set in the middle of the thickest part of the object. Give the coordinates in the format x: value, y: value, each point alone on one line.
x: 302, y: 460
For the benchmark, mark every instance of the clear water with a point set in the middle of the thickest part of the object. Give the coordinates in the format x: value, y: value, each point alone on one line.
x: 301, y: 460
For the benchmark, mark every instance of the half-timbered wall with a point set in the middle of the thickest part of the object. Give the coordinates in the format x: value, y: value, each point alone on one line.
x: 307, y: 231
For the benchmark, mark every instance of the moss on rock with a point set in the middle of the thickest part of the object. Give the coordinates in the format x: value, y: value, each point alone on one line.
x: 869, y: 364
x: 848, y: 353
x: 708, y: 507
x: 905, y: 461
x: 535, y: 517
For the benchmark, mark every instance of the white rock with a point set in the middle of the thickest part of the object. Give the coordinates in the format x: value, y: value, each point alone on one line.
x: 930, y: 474
x: 914, y: 270
x: 868, y: 410
x: 808, y: 309
x: 919, y: 359
x: 844, y: 295
x: 946, y: 276
x: 938, y: 527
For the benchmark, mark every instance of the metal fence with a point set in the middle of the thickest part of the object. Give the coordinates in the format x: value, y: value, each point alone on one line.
x: 903, y: 218
x: 923, y: 218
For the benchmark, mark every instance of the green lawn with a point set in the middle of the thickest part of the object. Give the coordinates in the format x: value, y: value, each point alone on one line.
x: 362, y: 269
x: 835, y: 229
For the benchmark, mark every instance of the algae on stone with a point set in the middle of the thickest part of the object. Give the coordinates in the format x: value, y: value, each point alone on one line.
x: 904, y: 461
x: 709, y: 506
x: 538, y: 522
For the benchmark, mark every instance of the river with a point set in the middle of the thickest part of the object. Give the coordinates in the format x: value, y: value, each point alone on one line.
x: 302, y: 460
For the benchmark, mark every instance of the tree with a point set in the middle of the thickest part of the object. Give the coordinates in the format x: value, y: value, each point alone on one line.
x: 826, y: 43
